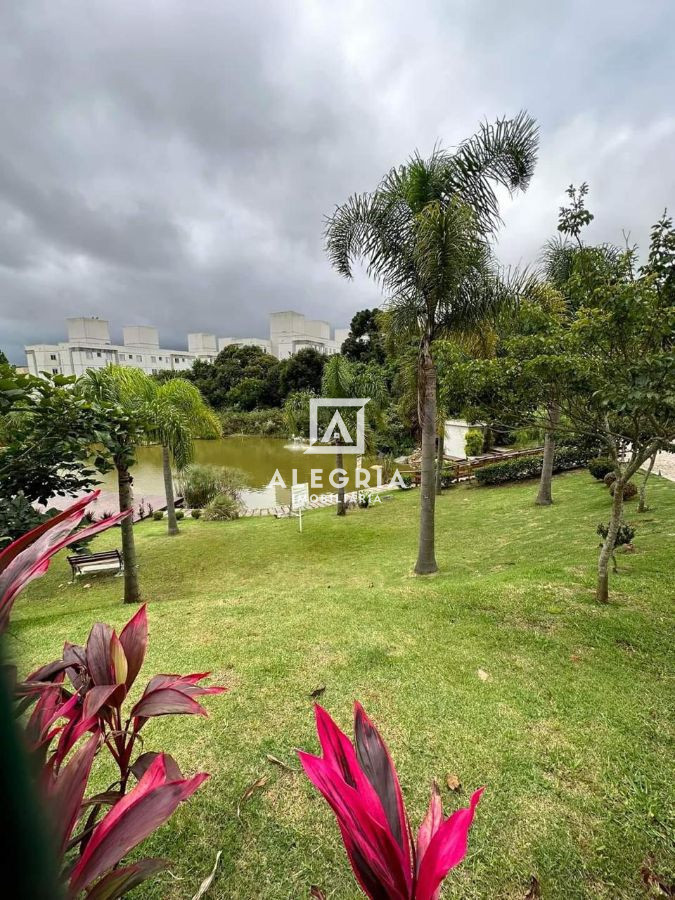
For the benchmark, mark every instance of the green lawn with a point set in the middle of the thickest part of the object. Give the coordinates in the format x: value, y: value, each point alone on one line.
x: 572, y: 732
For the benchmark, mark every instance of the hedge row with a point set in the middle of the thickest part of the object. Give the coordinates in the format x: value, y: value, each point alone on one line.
x: 257, y: 421
x: 530, y: 466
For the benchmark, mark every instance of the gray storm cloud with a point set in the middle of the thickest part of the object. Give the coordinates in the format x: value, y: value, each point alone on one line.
x: 171, y: 163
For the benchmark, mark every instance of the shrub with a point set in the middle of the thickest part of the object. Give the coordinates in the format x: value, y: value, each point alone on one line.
x: 407, y: 480
x: 196, y: 513
x: 629, y: 490
x: 256, y: 421
x: 361, y: 786
x: 526, y: 467
x: 158, y: 515
x: 600, y: 466
x: 17, y: 516
x: 473, y: 442
x: 624, y: 535
x: 78, y: 710
x: 221, y: 508
x: 365, y: 498
x: 201, y: 482
x: 609, y: 479
x: 180, y: 514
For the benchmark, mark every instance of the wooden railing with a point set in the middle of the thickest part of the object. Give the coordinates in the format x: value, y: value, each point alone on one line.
x: 464, y: 469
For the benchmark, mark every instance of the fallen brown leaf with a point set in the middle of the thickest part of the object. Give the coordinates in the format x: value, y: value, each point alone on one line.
x: 279, y: 762
x: 533, y: 890
x: 653, y: 881
x: 316, y: 893
x: 250, y: 791
x: 453, y: 783
x: 208, y: 881
x: 317, y: 692
x: 483, y: 675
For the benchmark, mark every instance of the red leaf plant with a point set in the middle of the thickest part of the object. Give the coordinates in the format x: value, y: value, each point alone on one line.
x: 78, y: 709
x: 361, y: 786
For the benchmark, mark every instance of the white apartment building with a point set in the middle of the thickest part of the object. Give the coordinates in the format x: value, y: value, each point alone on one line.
x: 291, y: 331
x: 89, y: 345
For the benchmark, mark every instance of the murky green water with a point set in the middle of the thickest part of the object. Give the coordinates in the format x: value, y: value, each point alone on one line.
x: 259, y: 458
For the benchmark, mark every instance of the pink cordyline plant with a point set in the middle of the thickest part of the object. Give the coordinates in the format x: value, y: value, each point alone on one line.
x: 78, y: 710
x: 359, y: 782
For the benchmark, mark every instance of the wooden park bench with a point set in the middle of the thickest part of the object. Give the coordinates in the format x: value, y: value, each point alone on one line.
x: 88, y: 563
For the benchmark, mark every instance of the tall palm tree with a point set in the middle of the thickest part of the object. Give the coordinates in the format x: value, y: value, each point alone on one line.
x: 122, y: 393
x: 179, y: 415
x: 341, y: 381
x: 424, y: 234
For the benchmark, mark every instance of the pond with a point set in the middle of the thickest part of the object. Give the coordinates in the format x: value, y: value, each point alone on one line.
x: 258, y: 457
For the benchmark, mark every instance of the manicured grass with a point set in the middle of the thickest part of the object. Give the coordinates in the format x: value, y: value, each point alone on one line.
x: 572, y: 732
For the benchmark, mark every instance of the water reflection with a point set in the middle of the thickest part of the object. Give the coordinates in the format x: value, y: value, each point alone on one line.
x: 258, y: 457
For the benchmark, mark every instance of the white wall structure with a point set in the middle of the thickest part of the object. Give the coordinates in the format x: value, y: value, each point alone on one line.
x: 89, y: 347
x: 455, y: 437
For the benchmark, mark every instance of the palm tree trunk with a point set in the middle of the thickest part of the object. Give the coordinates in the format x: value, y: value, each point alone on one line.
x: 439, y: 460
x: 642, y: 504
x: 126, y: 500
x: 426, y: 556
x: 168, y: 491
x: 544, y: 497
x: 341, y: 509
x: 607, y: 549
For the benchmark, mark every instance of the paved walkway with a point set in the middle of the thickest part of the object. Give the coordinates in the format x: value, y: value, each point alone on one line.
x: 665, y: 465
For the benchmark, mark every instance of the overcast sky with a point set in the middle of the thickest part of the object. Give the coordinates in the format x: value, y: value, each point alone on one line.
x: 169, y: 162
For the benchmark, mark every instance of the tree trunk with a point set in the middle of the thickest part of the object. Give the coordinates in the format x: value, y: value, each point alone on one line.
x: 642, y: 505
x: 602, y: 591
x: 544, y: 497
x: 439, y: 461
x: 426, y: 556
x: 126, y: 499
x: 168, y: 491
x: 341, y: 509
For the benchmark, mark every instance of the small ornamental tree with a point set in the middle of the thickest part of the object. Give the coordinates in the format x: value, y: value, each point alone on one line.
x: 78, y: 709
x: 612, y: 364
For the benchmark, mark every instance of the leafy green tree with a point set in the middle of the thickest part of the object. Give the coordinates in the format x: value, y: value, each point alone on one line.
x: 220, y: 382
x: 3, y: 359
x: 301, y: 372
x: 364, y: 343
x: 50, y: 432
x: 424, y: 236
x: 611, y: 361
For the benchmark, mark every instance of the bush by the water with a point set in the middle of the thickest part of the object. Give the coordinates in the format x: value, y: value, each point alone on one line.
x: 629, y: 490
x: 221, y: 508
x: 529, y: 467
x: 180, y: 514
x: 158, y: 515
x: 201, y: 482
x: 600, y: 466
x: 257, y: 421
x: 609, y: 479
x: 196, y: 513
